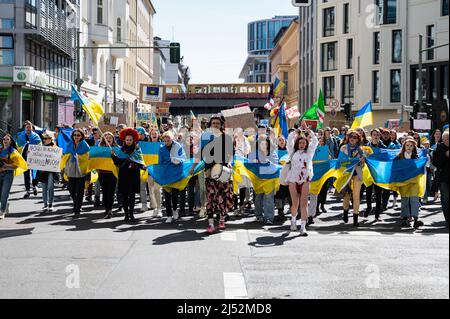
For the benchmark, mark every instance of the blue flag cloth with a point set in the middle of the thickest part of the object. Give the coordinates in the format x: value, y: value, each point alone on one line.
x: 322, y: 154
x: 33, y: 139
x: 64, y: 138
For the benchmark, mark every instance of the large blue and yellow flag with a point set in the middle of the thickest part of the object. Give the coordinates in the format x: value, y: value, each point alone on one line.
x: 64, y: 138
x: 174, y: 176
x: 79, y: 154
x: 265, y: 177
x: 345, y: 171
x: 90, y: 106
x: 100, y: 159
x: 406, y: 177
x: 323, y: 171
x: 364, y: 117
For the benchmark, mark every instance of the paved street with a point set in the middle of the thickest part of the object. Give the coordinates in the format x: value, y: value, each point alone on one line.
x: 40, y: 255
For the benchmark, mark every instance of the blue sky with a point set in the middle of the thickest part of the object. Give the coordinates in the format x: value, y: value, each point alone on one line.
x: 213, y: 33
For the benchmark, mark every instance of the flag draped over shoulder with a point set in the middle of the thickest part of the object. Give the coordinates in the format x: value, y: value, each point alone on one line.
x: 316, y: 112
x: 12, y: 156
x: 406, y: 177
x: 100, y: 159
x: 174, y: 176
x: 22, y: 140
x: 364, y: 117
x: 90, y: 106
x: 79, y: 154
x: 345, y: 171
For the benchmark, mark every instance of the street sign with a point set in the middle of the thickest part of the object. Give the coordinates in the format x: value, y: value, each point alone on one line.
x: 301, y: 3
x: 150, y: 93
x: 335, y: 104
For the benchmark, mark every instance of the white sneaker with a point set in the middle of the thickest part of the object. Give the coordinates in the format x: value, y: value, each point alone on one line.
x: 2, y: 215
x: 155, y: 213
x: 294, y: 226
x: 176, y: 216
x: 51, y: 209
x: 169, y: 220
x: 159, y: 215
x: 202, y: 213
x: 44, y: 209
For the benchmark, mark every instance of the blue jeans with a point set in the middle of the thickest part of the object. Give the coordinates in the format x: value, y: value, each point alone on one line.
x: 265, y: 206
x: 48, y: 191
x: 410, y: 207
x: 6, y: 181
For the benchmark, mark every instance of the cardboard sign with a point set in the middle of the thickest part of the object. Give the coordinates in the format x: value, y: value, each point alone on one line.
x: 242, y: 117
x: 82, y: 125
x: 43, y: 158
x: 111, y: 118
x: 107, y: 128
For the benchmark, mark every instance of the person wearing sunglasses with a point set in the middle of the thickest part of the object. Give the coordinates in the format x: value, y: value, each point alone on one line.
x: 75, y: 164
x: 351, y: 148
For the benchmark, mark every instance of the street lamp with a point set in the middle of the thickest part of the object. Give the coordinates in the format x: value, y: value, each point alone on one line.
x: 114, y: 72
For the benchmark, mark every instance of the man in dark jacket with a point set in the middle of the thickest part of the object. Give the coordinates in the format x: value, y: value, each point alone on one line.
x: 440, y: 160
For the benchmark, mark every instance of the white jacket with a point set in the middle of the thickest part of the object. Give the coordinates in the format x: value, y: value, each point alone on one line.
x: 301, y: 161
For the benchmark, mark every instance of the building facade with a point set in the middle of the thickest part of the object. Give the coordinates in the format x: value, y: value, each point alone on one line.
x: 365, y: 52
x: 117, y: 23
x: 284, y: 60
x: 261, y: 34
x: 37, y: 62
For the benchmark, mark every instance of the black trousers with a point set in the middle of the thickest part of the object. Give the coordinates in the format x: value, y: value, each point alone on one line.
x: 108, y: 182
x: 129, y: 200
x: 76, y: 190
x: 190, y: 189
x: 322, y: 200
x: 379, y: 192
x: 171, y: 201
x: 27, y: 180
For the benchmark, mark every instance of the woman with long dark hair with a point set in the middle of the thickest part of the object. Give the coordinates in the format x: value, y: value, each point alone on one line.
x: 11, y: 164
x: 130, y: 162
x: 75, y: 164
x: 106, y: 178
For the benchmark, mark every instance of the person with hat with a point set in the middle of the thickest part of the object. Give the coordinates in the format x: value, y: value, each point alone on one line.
x: 217, y: 149
x: 47, y: 179
x: 130, y: 162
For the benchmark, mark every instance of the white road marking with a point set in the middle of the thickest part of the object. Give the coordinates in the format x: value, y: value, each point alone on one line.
x: 228, y: 236
x: 234, y: 284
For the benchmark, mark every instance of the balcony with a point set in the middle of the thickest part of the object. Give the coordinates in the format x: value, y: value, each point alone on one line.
x: 120, y: 53
x: 101, y: 34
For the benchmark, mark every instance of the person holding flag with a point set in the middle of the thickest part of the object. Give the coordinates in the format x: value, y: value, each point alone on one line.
x: 11, y: 164
x: 316, y: 112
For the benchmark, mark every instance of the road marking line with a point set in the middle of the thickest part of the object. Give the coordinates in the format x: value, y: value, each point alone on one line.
x: 228, y: 236
x: 234, y: 284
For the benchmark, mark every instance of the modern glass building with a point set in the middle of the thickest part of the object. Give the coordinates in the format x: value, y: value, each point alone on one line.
x: 261, y: 35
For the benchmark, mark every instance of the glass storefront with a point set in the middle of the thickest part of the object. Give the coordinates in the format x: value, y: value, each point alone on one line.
x: 50, y: 109
x: 5, y: 108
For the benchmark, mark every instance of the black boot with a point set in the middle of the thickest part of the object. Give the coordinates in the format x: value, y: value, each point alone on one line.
x: 131, y: 216
x: 345, y: 216
x: 355, y: 220
x: 323, y: 209
x: 97, y: 202
x: 417, y: 223
x: 310, y: 221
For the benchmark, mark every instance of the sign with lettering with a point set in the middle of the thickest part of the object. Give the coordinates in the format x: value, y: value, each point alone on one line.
x: 43, y: 158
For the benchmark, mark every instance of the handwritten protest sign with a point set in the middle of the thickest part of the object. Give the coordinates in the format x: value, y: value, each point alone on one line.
x: 43, y: 158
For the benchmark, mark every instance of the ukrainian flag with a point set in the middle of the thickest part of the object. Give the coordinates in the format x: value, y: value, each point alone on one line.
x: 265, y: 177
x: 406, y: 177
x: 345, y: 171
x: 281, y: 126
x: 90, y: 106
x: 174, y: 176
x: 323, y: 171
x: 100, y: 159
x: 150, y: 150
x: 364, y: 117
x: 278, y: 86
x: 15, y: 159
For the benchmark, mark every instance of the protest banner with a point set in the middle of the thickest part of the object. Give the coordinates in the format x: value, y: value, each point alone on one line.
x: 44, y: 158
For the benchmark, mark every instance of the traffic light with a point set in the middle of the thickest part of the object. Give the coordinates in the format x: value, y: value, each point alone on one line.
x: 175, y: 53
x: 347, y: 109
x: 301, y: 3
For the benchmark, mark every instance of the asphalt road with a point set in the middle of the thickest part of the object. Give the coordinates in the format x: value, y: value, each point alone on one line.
x: 54, y: 256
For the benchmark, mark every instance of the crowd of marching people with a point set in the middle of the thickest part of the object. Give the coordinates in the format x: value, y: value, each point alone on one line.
x: 212, y: 191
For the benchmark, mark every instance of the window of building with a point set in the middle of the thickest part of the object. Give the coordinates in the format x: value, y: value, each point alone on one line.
x: 346, y: 28
x: 434, y: 79
x: 328, y: 22
x: 430, y: 41
x: 119, y: 30
x: 329, y: 89
x: 444, y: 82
x: 376, y: 47
x: 6, y: 23
x: 329, y: 56
x: 6, y: 50
x: 349, y: 53
x: 348, y: 89
x: 376, y: 87
x: 387, y: 11
x: 30, y: 14
x: 100, y: 11
x: 396, y: 91
x: 397, y: 44
x: 444, y: 8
